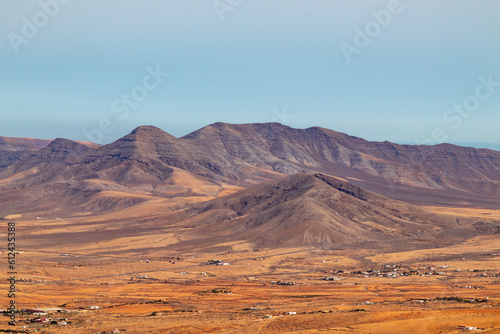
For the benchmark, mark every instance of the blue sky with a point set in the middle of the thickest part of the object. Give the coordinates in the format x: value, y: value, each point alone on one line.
x: 404, y: 71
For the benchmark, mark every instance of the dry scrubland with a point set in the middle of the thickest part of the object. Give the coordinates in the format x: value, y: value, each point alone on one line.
x: 143, y: 289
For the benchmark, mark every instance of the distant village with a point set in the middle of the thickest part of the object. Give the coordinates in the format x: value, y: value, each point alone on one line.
x: 395, y: 271
x: 56, y: 316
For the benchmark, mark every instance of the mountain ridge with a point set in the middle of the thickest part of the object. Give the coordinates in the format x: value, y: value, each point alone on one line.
x: 312, y: 210
x: 149, y: 162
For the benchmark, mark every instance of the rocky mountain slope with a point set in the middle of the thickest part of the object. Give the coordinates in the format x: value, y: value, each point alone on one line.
x: 416, y: 173
x: 221, y: 158
x: 313, y: 210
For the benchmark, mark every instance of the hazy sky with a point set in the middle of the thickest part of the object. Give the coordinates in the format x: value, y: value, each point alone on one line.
x: 404, y: 71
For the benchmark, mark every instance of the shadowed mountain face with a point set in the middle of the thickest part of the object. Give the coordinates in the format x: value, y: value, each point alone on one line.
x: 312, y: 210
x: 150, y: 162
x: 13, y: 150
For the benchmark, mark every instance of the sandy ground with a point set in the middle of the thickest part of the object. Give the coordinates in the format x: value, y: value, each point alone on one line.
x: 189, y: 296
x: 142, y: 285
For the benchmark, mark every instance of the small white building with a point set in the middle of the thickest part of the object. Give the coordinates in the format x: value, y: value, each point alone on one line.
x: 40, y: 313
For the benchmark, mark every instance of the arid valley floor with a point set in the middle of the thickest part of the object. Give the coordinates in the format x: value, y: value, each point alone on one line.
x: 142, y: 289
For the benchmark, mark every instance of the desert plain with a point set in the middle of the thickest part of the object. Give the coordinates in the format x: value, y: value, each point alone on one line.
x: 140, y: 286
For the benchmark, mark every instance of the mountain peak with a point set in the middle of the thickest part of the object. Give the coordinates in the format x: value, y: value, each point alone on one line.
x: 308, y: 209
x: 343, y: 186
x: 248, y: 129
x: 149, y: 130
x: 67, y: 145
x: 147, y: 133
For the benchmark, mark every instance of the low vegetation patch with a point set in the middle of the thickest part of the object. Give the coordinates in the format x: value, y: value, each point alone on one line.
x: 214, y: 291
x: 159, y: 301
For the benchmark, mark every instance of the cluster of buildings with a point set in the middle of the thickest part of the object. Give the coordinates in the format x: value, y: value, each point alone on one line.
x: 42, y: 317
x: 217, y: 263
x: 393, y: 271
x: 280, y: 282
x: 468, y: 328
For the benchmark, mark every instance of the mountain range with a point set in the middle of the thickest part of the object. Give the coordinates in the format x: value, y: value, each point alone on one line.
x: 264, y: 183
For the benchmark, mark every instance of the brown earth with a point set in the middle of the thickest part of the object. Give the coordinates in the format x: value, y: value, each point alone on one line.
x: 189, y: 296
x: 75, y: 263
